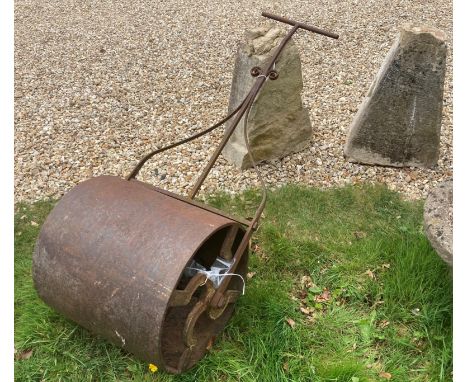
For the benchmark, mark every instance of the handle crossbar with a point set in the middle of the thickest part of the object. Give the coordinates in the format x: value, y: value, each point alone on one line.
x: 310, y: 28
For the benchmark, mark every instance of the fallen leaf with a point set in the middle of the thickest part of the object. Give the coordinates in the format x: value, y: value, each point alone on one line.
x: 209, y: 345
x: 251, y: 274
x: 385, y: 375
x: 25, y: 354
x: 377, y: 366
x: 322, y: 297
x: 302, y: 294
x: 285, y: 366
x: 264, y: 256
x: 305, y: 310
x: 402, y: 331
x: 387, y: 266
x: 23, y: 217
x: 384, y: 323
x: 291, y: 322
x: 370, y: 274
x: 33, y: 223
x: 306, y: 282
x: 360, y: 234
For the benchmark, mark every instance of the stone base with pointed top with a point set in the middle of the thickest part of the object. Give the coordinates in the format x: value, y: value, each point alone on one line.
x: 278, y: 124
x: 398, y: 124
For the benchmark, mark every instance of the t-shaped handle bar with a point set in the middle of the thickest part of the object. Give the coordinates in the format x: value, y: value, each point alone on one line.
x: 300, y: 25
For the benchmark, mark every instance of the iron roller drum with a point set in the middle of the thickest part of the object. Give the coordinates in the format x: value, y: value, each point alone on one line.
x: 111, y: 256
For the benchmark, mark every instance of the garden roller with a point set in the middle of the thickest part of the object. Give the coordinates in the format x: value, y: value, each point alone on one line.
x: 152, y: 271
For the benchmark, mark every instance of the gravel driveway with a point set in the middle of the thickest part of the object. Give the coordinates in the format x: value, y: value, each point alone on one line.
x: 100, y: 83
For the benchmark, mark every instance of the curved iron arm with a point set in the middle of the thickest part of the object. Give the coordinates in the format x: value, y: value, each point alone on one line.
x: 218, y: 299
x: 148, y: 156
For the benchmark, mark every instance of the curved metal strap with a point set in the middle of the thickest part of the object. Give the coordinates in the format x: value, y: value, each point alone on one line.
x: 183, y: 297
x: 231, y: 296
x: 217, y: 299
x: 260, y: 208
x: 140, y: 164
x: 199, y: 308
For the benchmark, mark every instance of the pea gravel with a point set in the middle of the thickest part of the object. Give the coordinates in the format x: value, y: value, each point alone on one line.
x: 100, y: 83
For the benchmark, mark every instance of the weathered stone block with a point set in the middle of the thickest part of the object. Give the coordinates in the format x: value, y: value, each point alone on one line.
x: 438, y: 220
x: 277, y: 124
x: 398, y: 124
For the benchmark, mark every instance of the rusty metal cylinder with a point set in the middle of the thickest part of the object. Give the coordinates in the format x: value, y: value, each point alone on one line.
x: 111, y: 257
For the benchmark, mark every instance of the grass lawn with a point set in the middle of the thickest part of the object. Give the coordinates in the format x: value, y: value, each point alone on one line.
x: 346, y: 288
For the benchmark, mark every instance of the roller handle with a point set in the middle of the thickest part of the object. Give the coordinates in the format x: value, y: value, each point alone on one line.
x: 300, y: 25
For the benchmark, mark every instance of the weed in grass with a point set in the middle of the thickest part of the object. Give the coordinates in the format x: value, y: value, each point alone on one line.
x: 376, y: 300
